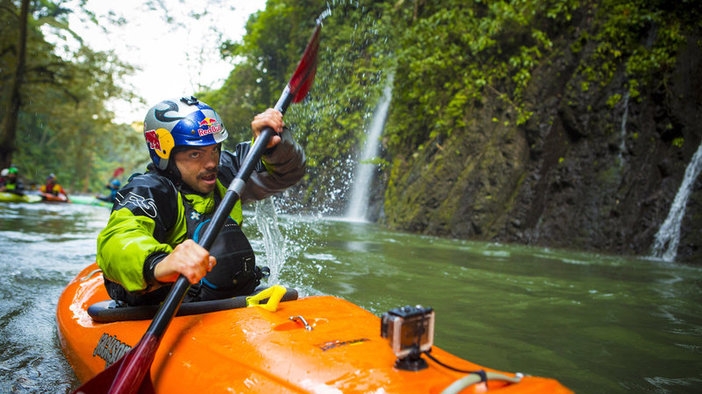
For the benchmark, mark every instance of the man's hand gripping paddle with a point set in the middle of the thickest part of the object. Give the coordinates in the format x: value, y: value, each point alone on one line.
x: 127, y: 375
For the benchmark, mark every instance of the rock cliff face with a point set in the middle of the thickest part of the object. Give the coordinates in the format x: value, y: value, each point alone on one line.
x: 581, y: 173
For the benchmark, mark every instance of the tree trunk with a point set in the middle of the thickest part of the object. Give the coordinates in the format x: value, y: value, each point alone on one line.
x: 9, y: 122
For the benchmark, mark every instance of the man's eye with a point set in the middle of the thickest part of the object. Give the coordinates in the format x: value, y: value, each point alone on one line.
x: 195, y: 155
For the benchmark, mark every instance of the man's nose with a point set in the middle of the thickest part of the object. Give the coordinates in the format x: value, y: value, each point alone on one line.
x: 212, y: 159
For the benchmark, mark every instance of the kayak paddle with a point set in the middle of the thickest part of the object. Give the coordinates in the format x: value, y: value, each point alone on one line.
x: 118, y: 171
x: 127, y: 375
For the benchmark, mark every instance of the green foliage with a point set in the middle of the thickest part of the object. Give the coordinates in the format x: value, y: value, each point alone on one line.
x: 678, y: 142
x: 354, y: 60
x: 64, y: 127
x: 613, y: 100
x: 641, y: 37
x: 455, y: 52
x: 448, y: 58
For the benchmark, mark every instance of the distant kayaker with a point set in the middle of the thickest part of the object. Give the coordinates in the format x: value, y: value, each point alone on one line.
x: 152, y: 233
x: 11, y: 182
x: 52, y: 190
x: 113, y: 186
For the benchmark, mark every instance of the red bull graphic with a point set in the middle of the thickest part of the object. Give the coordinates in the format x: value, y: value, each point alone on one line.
x: 152, y: 140
x: 160, y: 141
x: 209, y: 126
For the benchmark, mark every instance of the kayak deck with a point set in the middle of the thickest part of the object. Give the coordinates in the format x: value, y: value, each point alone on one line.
x: 313, y: 344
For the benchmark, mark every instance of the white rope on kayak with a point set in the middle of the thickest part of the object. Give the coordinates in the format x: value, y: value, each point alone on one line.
x: 473, y: 378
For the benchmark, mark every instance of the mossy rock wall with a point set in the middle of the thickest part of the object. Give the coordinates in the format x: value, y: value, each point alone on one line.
x: 582, y: 173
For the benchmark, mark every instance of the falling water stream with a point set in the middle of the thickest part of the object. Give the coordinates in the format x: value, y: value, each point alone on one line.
x: 622, y: 141
x: 358, y: 203
x: 665, y: 245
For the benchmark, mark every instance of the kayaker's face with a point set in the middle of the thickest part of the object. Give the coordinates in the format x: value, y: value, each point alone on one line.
x: 198, y: 167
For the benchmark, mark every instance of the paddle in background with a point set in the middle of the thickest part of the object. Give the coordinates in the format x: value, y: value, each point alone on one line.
x: 118, y: 172
x: 127, y: 375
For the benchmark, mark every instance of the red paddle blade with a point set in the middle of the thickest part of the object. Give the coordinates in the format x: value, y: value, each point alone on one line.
x: 303, y: 77
x: 118, y: 171
x: 129, y: 374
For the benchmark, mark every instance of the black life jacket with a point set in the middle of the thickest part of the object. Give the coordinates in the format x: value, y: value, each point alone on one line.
x: 235, y: 272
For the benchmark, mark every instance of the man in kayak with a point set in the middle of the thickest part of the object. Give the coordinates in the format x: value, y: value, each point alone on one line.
x: 12, y: 183
x: 152, y: 233
x: 113, y: 186
x: 52, y: 190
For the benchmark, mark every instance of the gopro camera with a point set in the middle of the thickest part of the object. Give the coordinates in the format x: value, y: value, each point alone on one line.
x: 409, y: 330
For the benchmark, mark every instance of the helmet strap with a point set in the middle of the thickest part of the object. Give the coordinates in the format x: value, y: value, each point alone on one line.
x: 173, y: 173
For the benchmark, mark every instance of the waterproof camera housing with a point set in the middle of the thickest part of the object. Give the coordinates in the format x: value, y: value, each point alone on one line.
x: 410, y: 332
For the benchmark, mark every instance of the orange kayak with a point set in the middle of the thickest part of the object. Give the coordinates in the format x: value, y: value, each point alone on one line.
x: 301, y: 345
x: 48, y: 197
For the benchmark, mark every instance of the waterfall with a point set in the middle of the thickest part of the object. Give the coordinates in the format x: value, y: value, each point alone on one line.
x: 665, y: 245
x: 363, y: 178
x: 622, y: 142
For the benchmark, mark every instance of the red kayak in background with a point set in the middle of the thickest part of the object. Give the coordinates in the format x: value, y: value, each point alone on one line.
x: 49, y: 197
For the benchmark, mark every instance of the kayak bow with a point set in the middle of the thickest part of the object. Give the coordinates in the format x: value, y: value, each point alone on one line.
x: 310, y: 344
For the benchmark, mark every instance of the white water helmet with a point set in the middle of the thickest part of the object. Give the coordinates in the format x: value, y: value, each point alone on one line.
x: 180, y: 122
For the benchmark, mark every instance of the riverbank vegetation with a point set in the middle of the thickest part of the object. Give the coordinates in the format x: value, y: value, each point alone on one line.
x: 505, y: 123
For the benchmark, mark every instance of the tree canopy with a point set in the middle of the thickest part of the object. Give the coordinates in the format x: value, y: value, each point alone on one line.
x: 445, y: 55
x: 62, y: 125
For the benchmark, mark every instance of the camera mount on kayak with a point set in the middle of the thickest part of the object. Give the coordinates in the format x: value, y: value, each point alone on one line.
x: 410, y: 332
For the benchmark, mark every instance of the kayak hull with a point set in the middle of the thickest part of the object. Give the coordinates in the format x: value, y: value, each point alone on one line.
x: 254, y: 350
x: 89, y: 200
x: 48, y: 197
x: 13, y: 197
x: 34, y: 197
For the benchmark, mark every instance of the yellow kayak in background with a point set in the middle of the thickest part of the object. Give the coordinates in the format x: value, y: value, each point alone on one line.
x: 14, y: 197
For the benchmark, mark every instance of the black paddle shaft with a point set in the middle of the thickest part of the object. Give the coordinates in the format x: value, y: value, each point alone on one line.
x: 180, y: 287
x: 294, y: 91
x: 233, y: 194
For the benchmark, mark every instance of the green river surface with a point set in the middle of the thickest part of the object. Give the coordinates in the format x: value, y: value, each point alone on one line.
x: 597, y: 323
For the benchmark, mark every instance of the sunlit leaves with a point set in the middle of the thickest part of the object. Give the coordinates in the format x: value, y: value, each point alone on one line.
x: 455, y: 51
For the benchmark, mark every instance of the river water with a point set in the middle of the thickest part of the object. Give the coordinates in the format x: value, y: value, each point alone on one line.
x: 598, y: 324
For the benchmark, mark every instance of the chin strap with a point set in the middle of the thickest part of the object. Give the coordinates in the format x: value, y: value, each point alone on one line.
x: 171, y: 172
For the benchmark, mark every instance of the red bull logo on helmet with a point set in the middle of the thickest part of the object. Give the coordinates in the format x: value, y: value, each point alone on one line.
x: 152, y: 140
x: 160, y: 141
x: 209, y: 126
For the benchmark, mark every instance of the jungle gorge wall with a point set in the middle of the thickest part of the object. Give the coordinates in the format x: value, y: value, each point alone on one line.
x: 595, y: 167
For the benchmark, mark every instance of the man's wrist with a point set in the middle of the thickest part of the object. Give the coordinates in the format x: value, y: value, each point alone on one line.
x: 150, y: 268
